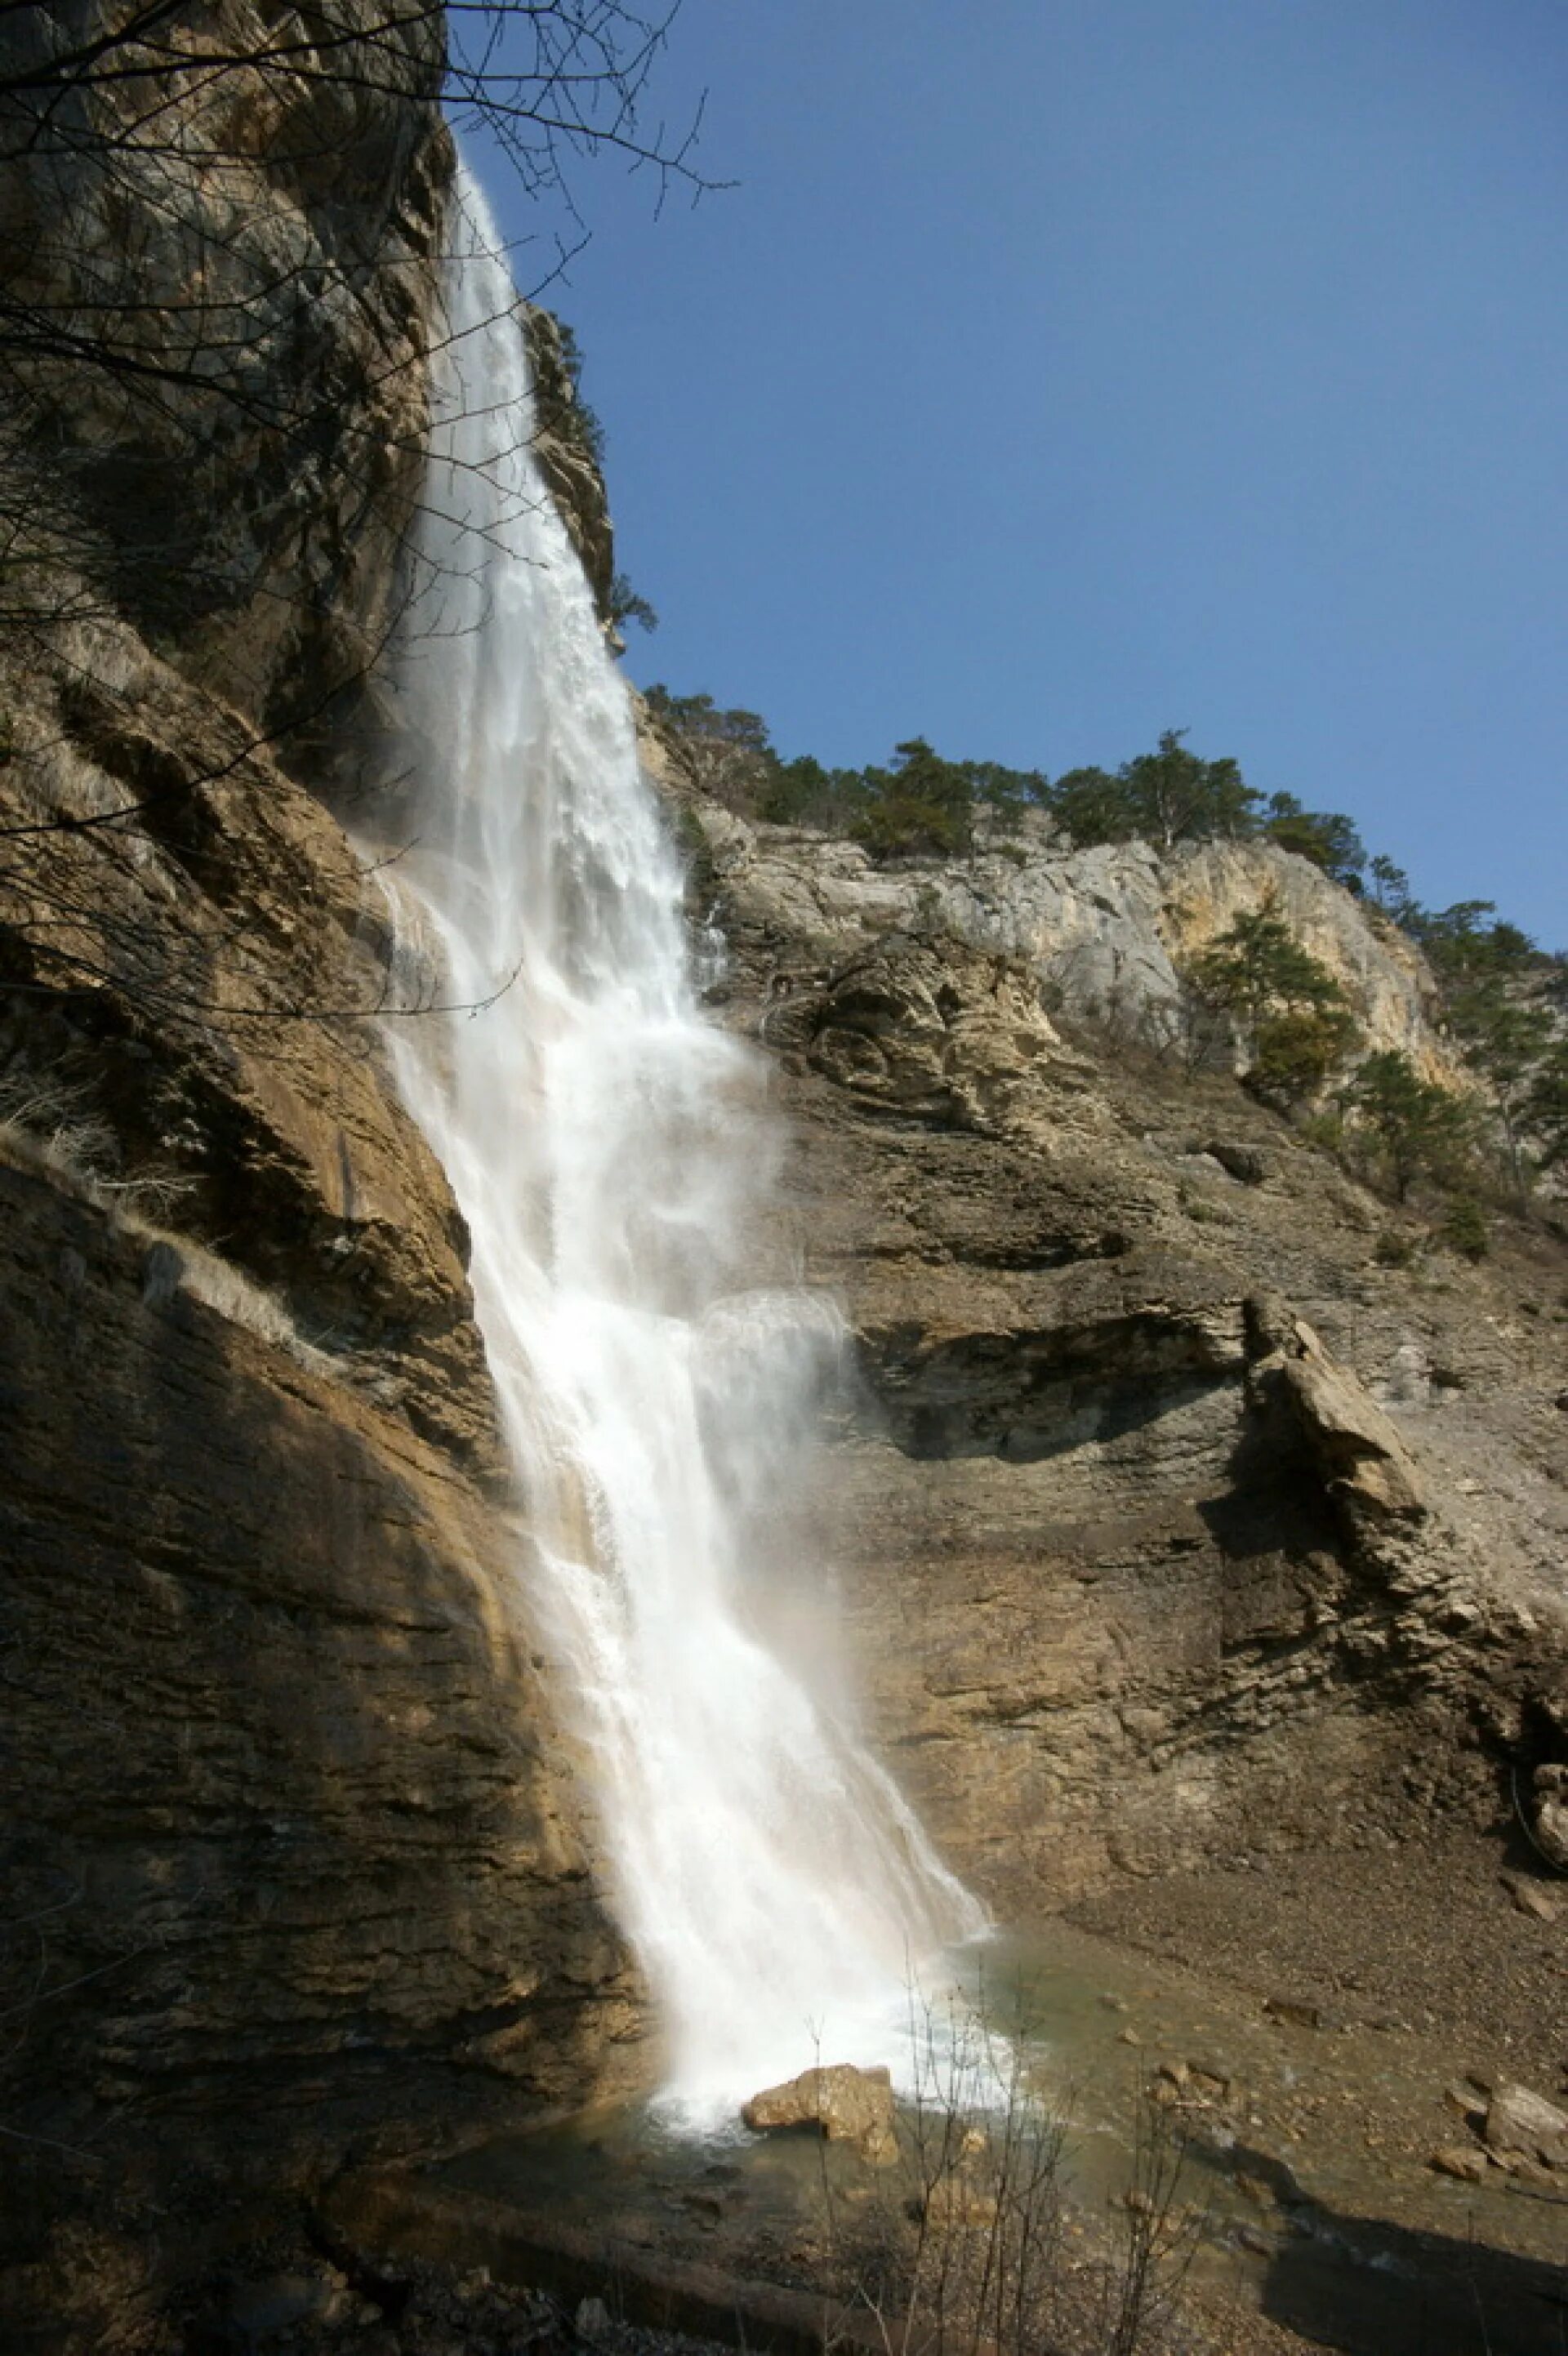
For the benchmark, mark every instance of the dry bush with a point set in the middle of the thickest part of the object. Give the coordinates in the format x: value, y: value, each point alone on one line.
x: 966, y: 2248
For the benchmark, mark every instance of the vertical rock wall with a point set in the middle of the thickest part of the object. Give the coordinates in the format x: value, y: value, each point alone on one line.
x: 290, y: 1846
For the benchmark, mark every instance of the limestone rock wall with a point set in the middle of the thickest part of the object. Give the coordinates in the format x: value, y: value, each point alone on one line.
x: 1103, y: 929
x: 1176, y: 1524
x: 290, y: 1836
x: 219, y: 256
x: 292, y: 1855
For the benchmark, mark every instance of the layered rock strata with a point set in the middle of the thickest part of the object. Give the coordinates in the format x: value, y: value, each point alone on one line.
x: 292, y: 1847
x: 1175, y: 1521
x: 1177, y: 1524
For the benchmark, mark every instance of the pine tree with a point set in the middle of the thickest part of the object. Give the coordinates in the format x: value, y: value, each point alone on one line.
x: 1285, y: 1000
x: 1419, y: 1129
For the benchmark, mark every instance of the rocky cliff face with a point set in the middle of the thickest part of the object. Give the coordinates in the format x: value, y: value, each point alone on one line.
x: 291, y: 1851
x: 1180, y: 1525
x: 218, y: 268
x: 1103, y: 931
x: 565, y: 446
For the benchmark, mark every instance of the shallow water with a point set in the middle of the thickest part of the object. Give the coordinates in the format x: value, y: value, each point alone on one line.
x: 1363, y: 2249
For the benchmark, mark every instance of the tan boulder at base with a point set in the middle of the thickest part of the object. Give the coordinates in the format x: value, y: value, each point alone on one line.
x: 846, y: 2104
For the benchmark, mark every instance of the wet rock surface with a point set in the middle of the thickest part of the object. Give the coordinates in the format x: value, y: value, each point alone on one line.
x: 300, y: 1864
x: 843, y: 2104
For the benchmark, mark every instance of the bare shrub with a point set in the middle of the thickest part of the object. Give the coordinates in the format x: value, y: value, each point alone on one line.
x: 964, y: 2246
x: 1159, y: 2235
x: 55, y: 1116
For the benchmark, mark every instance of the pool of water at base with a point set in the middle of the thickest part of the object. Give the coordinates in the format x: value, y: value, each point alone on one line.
x: 1332, y: 2226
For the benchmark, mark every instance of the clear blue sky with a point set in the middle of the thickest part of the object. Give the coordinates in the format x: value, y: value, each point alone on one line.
x: 1061, y: 370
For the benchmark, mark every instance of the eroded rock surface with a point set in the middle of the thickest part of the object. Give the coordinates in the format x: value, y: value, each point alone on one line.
x: 299, y: 1800
x: 1177, y: 1526
x: 1101, y: 930
x: 223, y: 424
x: 293, y: 1842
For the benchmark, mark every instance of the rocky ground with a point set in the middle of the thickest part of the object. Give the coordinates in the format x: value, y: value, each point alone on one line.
x: 1274, y: 2237
x: 781, y: 2288
x: 297, y: 2304
x: 1462, y: 1939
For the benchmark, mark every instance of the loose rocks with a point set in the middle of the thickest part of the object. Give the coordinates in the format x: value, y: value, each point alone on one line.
x: 1518, y: 2120
x: 1530, y: 1897
x: 1458, y: 2160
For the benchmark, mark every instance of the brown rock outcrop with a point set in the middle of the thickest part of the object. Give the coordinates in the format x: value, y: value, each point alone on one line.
x: 290, y: 1838
x: 1364, y: 1464
x: 218, y: 257
x: 1176, y: 1525
x: 845, y: 2104
x: 298, y: 1806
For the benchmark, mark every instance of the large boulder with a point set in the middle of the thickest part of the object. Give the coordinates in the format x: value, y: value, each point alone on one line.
x: 843, y: 2104
x: 1363, y: 1460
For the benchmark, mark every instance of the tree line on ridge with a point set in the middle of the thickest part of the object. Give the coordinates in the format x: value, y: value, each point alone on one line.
x: 1255, y: 990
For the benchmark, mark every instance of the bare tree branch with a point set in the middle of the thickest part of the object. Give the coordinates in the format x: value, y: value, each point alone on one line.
x: 221, y: 233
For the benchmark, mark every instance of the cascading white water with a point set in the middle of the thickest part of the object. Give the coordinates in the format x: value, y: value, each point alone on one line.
x: 611, y: 1152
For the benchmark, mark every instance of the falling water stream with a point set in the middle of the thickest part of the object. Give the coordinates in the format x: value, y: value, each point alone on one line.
x: 612, y: 1153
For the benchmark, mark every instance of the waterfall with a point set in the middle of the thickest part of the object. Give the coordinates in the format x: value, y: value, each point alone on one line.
x: 613, y: 1155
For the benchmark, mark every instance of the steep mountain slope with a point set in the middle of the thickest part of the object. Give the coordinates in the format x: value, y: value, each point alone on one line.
x: 1179, y: 1524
